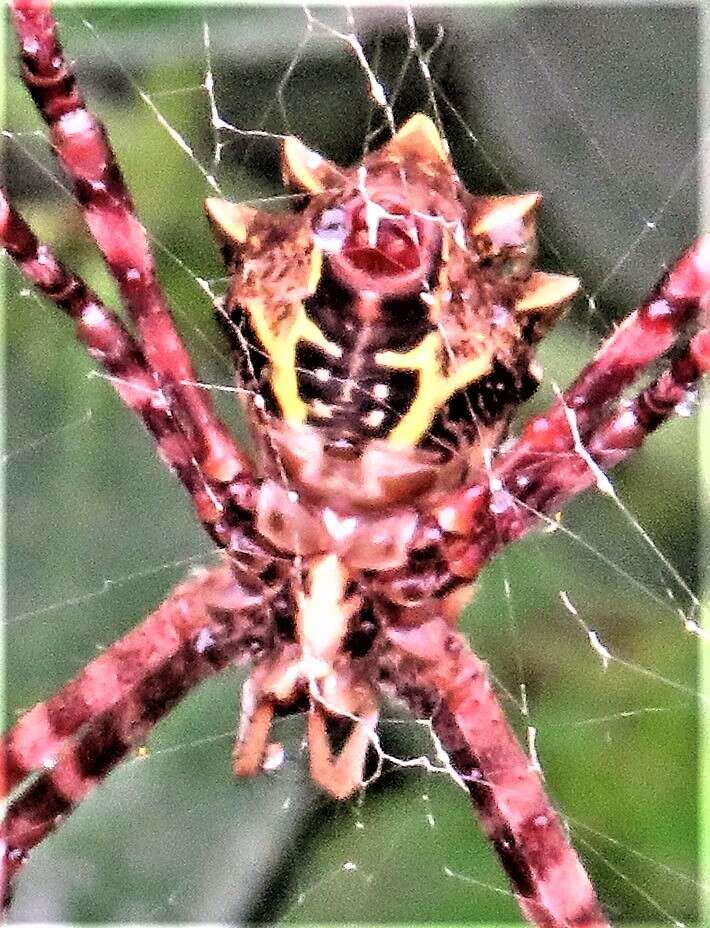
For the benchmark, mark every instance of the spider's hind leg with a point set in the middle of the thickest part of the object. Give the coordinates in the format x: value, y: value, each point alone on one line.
x: 59, y: 751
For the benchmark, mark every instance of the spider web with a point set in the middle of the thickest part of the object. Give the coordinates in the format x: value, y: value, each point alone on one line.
x: 592, y: 628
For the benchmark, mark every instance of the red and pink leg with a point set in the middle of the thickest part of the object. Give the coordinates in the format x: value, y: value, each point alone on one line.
x: 544, y: 468
x: 74, y: 739
x: 559, y: 454
x: 108, y: 341
x: 82, y: 146
x: 440, y: 677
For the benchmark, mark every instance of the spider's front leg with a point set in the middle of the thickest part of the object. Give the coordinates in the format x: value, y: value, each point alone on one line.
x: 110, y: 343
x: 82, y: 146
x: 152, y: 371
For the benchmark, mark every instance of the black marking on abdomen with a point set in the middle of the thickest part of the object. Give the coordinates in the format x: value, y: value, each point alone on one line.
x: 349, y: 405
x: 252, y: 364
x: 401, y: 323
x: 482, y: 403
x: 352, y: 398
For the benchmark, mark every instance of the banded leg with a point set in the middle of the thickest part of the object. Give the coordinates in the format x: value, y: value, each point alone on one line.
x: 555, y: 457
x: 191, y: 614
x: 680, y: 299
x: 82, y: 146
x: 86, y: 729
x: 108, y: 341
x: 224, y: 507
x: 627, y: 429
x: 438, y: 675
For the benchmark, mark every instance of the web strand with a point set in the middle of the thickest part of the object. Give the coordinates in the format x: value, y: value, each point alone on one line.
x: 584, y: 671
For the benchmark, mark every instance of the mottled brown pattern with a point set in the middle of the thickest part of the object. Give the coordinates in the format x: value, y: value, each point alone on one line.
x: 396, y: 536
x: 467, y: 296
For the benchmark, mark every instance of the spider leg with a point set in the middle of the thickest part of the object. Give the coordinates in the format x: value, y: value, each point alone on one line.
x: 257, y: 715
x: 560, y: 453
x: 626, y: 430
x: 440, y: 677
x: 187, y: 616
x: 81, y: 733
x: 679, y: 299
x: 553, y: 479
x: 109, y: 342
x: 82, y: 146
x: 588, y: 429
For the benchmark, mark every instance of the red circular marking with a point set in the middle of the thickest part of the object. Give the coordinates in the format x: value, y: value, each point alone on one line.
x: 395, y: 249
x: 387, y: 247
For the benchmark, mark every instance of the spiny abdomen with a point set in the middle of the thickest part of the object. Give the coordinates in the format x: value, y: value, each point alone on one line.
x: 394, y: 307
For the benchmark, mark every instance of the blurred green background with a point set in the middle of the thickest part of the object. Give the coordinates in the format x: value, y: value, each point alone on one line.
x: 596, y: 107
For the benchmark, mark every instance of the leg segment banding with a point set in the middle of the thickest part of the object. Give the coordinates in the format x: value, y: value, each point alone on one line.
x: 83, y: 148
x: 437, y: 674
x: 543, y: 469
x: 76, y: 738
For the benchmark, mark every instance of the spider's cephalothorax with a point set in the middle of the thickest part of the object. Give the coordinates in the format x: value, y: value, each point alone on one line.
x: 385, y: 330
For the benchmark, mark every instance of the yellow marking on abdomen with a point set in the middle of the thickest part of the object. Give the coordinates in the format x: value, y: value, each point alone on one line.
x: 280, y: 345
x: 434, y: 388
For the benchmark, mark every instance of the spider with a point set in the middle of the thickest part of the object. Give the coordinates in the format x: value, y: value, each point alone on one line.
x: 408, y: 500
